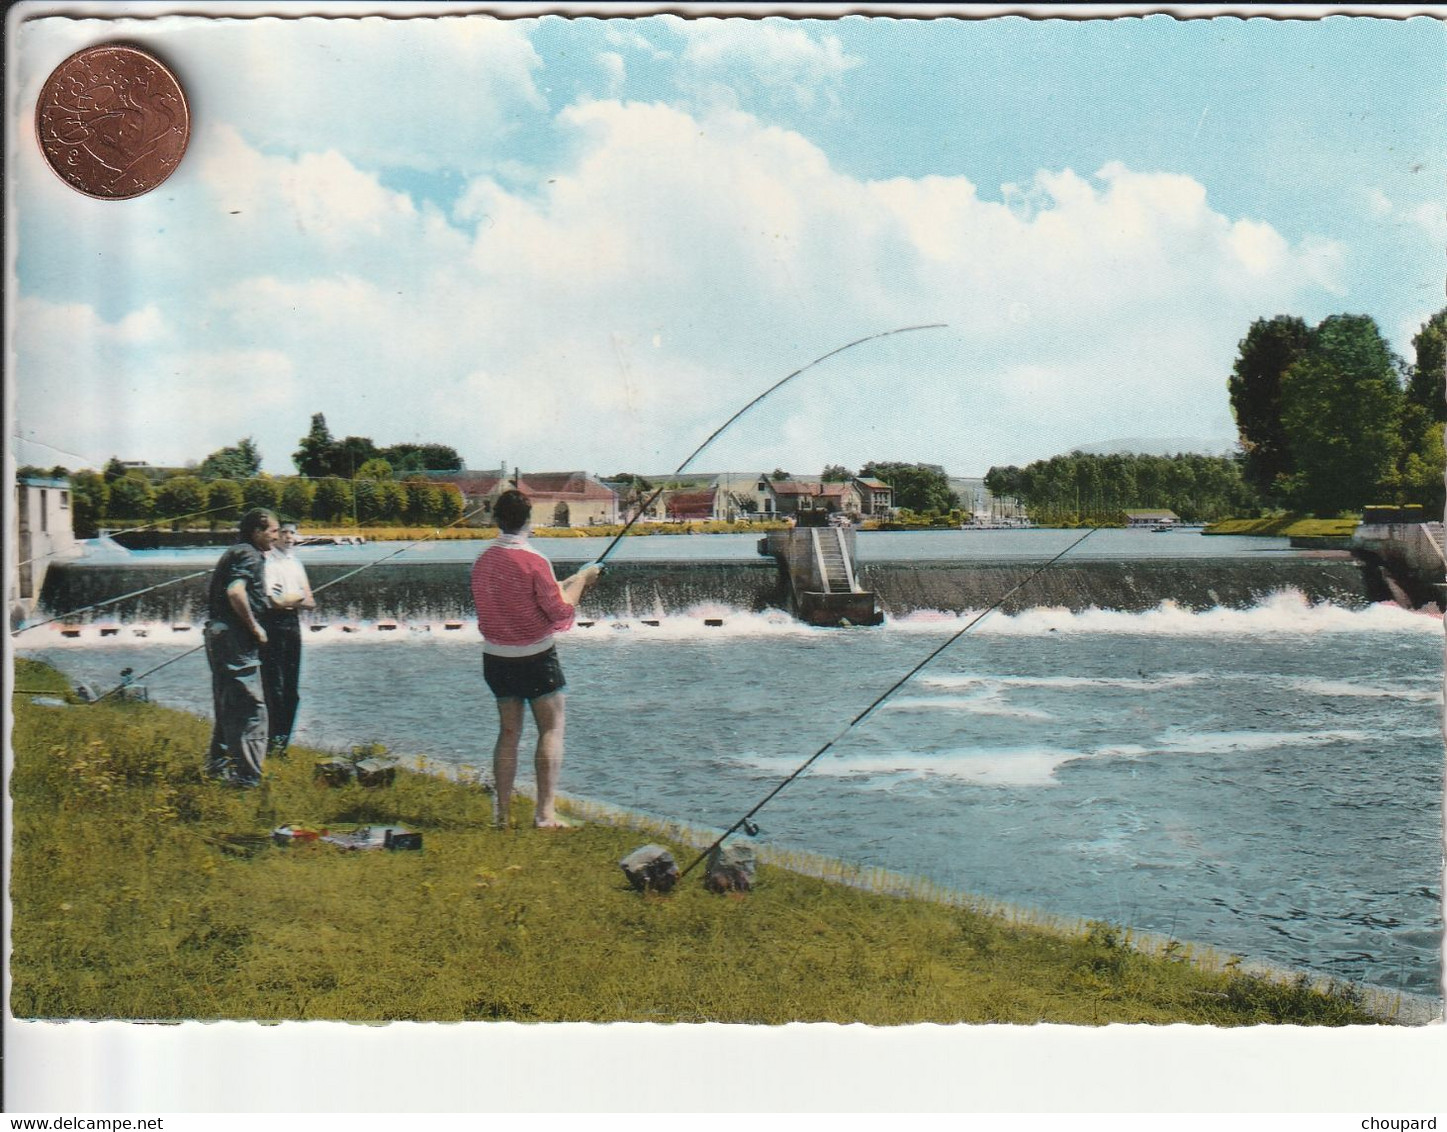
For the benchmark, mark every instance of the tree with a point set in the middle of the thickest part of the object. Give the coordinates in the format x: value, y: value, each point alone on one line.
x: 333, y: 500
x: 422, y: 501
x: 114, y: 469
x: 450, y: 503
x: 296, y: 499
x: 349, y: 454
x: 836, y: 473
x: 778, y: 475
x: 89, y: 498
x: 375, y: 469
x: 1427, y: 380
x: 1341, y: 408
x: 1422, y: 471
x: 313, y: 456
x: 262, y: 491
x: 180, y: 498
x: 240, y: 462
x: 1423, y: 414
x: 1269, y: 349
x: 391, y: 501
x: 132, y: 497
x: 916, y: 486
x: 224, y: 500
x: 423, y: 458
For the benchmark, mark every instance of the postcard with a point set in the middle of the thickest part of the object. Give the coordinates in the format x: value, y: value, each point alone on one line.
x: 616, y: 544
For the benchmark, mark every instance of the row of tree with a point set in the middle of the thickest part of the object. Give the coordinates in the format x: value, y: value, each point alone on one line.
x: 1095, y: 488
x: 1331, y: 420
x: 185, y: 500
x: 319, y: 454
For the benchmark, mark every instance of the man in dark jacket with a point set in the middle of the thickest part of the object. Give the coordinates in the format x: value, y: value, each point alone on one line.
x: 234, y: 636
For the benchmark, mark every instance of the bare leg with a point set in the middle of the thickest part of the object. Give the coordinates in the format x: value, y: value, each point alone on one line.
x: 548, y: 762
x: 505, y: 758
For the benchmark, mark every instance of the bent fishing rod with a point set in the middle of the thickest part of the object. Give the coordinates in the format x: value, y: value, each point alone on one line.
x: 746, y: 822
x: 643, y: 508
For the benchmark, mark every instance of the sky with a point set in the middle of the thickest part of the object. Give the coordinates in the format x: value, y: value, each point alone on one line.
x: 585, y: 243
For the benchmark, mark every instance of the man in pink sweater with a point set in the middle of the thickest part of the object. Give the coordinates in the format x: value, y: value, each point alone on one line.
x: 520, y: 606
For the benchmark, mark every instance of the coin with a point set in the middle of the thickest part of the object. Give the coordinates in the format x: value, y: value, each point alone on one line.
x: 112, y: 122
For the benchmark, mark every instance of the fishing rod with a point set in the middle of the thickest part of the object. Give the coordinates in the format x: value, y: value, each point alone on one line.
x: 642, y: 510
x: 745, y: 823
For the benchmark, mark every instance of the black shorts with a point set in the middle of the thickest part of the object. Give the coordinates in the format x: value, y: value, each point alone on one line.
x: 523, y: 677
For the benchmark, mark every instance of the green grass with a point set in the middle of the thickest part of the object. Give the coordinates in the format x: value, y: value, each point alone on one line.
x: 140, y: 891
x: 1287, y: 525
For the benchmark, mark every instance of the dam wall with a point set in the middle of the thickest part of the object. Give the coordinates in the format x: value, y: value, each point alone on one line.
x: 431, y: 591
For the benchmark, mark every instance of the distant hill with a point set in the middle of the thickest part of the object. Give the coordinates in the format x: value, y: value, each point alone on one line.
x: 1161, y: 446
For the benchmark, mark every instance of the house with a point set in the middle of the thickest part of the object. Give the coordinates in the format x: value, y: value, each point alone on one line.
x: 744, y: 495
x: 797, y: 497
x: 686, y: 506
x: 560, y: 499
x: 875, y: 497
x: 723, y: 496
x: 1151, y: 517
x: 842, y: 497
x: 41, y: 532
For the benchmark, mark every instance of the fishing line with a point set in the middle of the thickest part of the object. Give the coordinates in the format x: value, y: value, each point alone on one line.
x: 131, y: 530
x: 718, y: 431
x: 745, y: 822
x: 109, y: 601
x: 191, y: 652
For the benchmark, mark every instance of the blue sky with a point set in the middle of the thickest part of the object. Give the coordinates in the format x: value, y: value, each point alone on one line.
x: 585, y: 243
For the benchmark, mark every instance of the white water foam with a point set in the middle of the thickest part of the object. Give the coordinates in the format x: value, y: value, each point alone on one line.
x: 991, y: 704
x: 1287, y: 611
x: 1023, y: 766
x: 1222, y: 742
x: 1038, y: 766
x: 1143, y: 684
x: 1284, y: 613
x: 1348, y: 688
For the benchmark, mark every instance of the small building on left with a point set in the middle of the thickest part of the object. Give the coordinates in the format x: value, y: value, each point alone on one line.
x: 41, y: 532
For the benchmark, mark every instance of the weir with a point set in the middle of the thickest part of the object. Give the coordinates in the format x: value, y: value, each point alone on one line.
x: 438, y: 591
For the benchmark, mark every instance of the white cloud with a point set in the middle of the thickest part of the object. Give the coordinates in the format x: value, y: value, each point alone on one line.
x: 1432, y: 219
x: 782, y: 58
x: 671, y: 268
x: 1377, y: 202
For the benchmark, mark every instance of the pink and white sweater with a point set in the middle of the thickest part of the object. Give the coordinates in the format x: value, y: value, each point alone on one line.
x: 519, y: 606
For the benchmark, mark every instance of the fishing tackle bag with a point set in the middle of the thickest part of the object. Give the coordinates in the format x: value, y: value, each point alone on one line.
x: 650, y: 869
x: 730, y: 868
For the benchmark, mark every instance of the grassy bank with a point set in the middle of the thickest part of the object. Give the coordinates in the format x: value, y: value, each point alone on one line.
x: 1285, y: 526
x: 140, y: 891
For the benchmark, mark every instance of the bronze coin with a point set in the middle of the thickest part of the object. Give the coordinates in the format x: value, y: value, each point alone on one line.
x: 113, y: 122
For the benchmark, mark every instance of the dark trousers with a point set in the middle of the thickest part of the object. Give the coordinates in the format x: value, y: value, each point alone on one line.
x: 280, y: 673
x: 238, y: 737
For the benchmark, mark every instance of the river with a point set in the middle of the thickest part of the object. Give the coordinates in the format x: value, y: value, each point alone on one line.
x: 1265, y: 781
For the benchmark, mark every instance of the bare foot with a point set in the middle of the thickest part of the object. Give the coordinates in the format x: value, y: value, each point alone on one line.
x: 554, y: 822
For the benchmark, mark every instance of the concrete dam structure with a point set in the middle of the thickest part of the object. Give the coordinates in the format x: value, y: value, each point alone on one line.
x: 438, y: 591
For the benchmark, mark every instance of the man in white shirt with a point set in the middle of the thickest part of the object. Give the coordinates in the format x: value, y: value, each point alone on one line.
x: 288, y: 591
